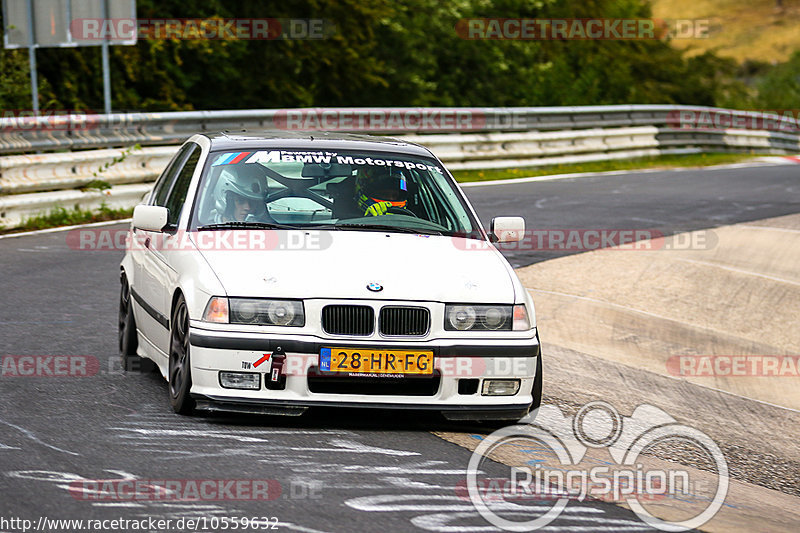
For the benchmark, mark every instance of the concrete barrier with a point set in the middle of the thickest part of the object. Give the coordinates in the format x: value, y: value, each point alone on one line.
x: 488, y: 138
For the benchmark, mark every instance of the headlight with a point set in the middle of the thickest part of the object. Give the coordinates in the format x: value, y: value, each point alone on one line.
x: 267, y: 312
x: 464, y: 317
x: 459, y: 317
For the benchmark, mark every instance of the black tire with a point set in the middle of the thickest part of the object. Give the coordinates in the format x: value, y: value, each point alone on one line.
x: 128, y: 341
x: 180, y: 368
x: 536, y: 392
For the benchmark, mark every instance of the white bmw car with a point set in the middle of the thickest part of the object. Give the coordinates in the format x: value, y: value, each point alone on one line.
x: 273, y: 272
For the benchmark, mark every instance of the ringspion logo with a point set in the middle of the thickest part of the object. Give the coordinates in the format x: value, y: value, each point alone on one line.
x: 558, y: 471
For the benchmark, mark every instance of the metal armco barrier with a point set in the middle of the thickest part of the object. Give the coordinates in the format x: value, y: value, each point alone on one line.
x: 70, y: 170
x: 464, y: 138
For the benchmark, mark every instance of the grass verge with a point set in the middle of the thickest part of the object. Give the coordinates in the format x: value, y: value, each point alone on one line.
x: 663, y: 161
x: 69, y: 217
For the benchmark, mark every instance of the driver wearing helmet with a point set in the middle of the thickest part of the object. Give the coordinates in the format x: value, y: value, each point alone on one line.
x: 241, y: 195
x: 378, y: 189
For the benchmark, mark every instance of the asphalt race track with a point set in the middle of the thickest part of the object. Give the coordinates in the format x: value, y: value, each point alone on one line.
x: 670, y: 201
x: 338, y: 470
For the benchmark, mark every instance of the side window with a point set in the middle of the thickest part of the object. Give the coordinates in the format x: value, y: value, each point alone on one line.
x: 177, y: 195
x: 164, y: 183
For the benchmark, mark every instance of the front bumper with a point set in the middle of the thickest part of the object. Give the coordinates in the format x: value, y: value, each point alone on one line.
x: 305, y: 386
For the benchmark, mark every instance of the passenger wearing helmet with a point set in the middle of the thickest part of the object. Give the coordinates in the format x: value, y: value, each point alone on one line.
x: 378, y: 189
x: 241, y: 195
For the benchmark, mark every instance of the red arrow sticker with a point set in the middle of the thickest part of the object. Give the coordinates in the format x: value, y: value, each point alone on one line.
x: 263, y: 359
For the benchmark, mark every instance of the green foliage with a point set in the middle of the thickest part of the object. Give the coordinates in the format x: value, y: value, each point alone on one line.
x: 661, y: 161
x: 780, y: 88
x: 61, y: 216
x: 96, y: 185
x: 119, y: 159
x: 15, y: 87
x: 390, y: 53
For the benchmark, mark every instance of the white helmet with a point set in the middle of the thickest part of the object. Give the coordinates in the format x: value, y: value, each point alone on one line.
x: 244, y: 180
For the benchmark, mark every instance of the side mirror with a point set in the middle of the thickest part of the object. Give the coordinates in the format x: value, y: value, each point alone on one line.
x: 508, y: 229
x: 150, y: 217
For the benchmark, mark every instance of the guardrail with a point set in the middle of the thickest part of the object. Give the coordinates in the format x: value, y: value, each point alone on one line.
x: 73, y: 131
x: 477, y: 138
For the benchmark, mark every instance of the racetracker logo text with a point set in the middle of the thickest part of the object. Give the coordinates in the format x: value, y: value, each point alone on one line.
x: 54, y: 366
x: 584, y: 240
x: 93, y: 239
x: 130, y: 29
x: 420, y: 119
x: 530, y: 29
x: 21, y: 120
x: 175, y: 489
x: 780, y: 120
x: 734, y: 365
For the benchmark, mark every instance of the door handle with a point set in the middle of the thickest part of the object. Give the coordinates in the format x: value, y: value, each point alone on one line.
x: 147, y: 242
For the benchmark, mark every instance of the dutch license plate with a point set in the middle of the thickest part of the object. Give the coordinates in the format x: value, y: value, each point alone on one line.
x: 375, y: 361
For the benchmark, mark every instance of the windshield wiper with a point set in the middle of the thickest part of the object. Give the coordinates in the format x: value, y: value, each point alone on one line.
x: 248, y: 225
x: 382, y: 227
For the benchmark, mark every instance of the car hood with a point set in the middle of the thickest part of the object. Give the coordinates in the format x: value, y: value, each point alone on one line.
x: 340, y: 264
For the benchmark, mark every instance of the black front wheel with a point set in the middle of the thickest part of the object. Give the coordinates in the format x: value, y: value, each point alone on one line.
x: 128, y: 341
x: 180, y: 370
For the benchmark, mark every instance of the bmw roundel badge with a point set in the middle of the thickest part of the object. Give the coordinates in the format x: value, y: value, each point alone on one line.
x: 375, y: 287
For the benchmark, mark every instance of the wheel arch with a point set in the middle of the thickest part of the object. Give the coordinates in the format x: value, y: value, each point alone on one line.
x: 177, y: 293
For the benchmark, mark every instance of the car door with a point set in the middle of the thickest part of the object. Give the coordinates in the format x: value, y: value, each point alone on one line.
x: 146, y: 323
x: 155, y: 275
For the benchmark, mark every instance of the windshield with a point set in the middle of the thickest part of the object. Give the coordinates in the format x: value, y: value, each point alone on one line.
x: 336, y: 190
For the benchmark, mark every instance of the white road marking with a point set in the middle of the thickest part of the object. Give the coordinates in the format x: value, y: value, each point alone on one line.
x: 770, y: 228
x: 192, y: 433
x: 739, y: 271
x: 398, y: 502
x: 295, y: 527
x: 439, y: 523
x: 66, y: 228
x: 408, y: 483
x: 349, y: 446
x: 37, y: 440
x: 428, y: 467
x: 117, y: 504
x: 603, y: 302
